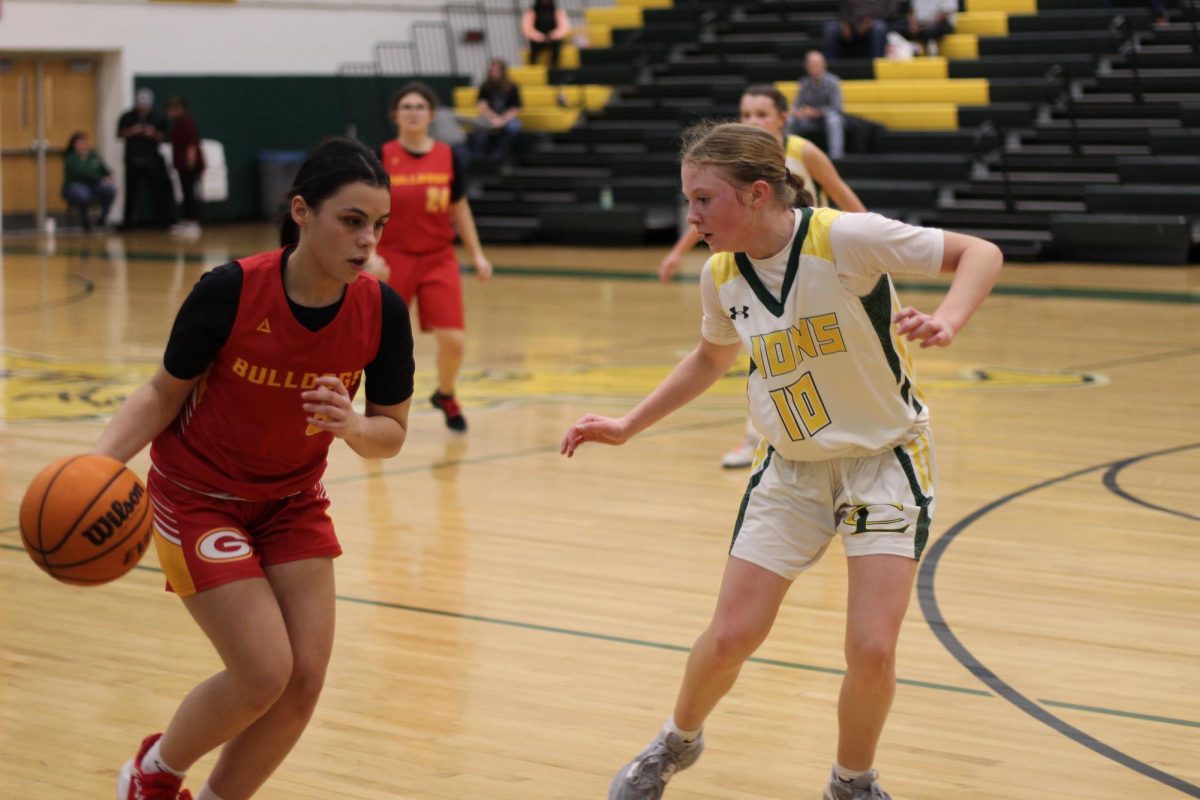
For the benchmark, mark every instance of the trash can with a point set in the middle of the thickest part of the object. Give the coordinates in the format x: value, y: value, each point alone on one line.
x: 276, y: 171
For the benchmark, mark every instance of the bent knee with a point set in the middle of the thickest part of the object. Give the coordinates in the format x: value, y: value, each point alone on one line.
x: 871, y: 658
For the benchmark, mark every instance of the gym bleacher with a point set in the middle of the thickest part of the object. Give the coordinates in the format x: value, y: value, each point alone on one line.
x: 1056, y: 129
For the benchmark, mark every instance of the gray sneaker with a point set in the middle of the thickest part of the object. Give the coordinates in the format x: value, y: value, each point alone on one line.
x: 645, y: 778
x: 864, y: 787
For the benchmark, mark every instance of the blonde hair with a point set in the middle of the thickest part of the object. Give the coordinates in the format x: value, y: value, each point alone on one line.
x: 745, y: 153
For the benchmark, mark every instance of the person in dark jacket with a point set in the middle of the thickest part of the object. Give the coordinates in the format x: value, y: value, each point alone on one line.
x: 87, y: 180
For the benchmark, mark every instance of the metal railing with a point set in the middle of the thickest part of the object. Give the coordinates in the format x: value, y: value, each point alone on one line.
x: 984, y: 136
x: 1060, y: 74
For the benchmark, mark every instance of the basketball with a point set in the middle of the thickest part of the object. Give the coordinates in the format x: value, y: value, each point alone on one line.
x: 85, y: 519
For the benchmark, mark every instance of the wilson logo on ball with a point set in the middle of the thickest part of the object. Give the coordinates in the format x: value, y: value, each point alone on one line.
x: 118, y: 513
x: 224, y: 545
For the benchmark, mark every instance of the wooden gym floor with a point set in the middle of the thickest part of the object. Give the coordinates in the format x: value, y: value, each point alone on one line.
x: 514, y: 625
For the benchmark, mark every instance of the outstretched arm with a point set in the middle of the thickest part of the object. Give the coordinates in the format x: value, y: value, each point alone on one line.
x: 976, y: 264
x: 698, y: 370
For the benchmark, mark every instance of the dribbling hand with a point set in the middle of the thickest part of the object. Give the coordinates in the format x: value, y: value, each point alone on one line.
x: 928, y: 329
x: 594, y: 428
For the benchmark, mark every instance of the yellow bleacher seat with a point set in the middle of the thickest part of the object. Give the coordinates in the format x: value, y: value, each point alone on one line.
x: 529, y: 75
x: 965, y: 91
x: 646, y: 3
x: 982, y: 23
x: 541, y: 110
x: 909, y: 116
x: 568, y: 57
x: 927, y: 68
x: 1011, y: 6
x: 960, y: 45
x: 599, y: 34
x: 615, y: 16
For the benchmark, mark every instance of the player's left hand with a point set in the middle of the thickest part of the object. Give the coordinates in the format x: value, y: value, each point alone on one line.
x: 329, y: 407
x: 483, y: 267
x: 929, y: 329
x: 377, y: 266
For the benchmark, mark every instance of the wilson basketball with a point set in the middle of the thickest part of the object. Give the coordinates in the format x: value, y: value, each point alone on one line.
x: 86, y: 519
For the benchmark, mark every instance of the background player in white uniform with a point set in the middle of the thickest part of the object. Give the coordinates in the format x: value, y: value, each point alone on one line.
x: 765, y: 106
x: 847, y: 448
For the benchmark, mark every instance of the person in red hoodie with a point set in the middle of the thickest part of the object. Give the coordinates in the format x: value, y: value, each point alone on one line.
x: 188, y: 159
x: 258, y: 380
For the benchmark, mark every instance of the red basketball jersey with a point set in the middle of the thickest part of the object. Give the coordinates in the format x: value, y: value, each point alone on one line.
x: 243, y: 431
x: 420, y: 221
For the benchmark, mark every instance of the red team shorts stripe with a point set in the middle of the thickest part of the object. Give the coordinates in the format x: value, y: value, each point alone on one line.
x: 433, y: 280
x: 204, y: 542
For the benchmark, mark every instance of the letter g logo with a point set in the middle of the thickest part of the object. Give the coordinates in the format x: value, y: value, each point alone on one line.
x: 224, y: 544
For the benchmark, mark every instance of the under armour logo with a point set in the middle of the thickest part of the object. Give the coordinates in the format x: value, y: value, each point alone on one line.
x: 745, y: 312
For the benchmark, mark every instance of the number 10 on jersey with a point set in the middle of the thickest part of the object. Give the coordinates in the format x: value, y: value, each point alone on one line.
x: 800, y: 408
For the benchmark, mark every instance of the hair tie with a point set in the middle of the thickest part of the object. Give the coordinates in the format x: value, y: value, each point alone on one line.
x: 787, y: 174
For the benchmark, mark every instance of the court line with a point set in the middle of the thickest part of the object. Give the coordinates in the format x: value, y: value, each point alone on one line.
x: 88, y: 288
x: 1110, y: 482
x: 937, y: 623
x: 1076, y: 293
x: 1121, y: 362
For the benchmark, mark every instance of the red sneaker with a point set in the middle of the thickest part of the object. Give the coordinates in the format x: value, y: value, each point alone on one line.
x: 133, y: 784
x: 449, y: 406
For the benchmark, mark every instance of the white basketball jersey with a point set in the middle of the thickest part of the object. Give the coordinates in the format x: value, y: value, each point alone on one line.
x: 829, y: 378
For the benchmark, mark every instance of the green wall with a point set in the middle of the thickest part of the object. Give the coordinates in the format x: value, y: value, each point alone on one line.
x: 251, y: 114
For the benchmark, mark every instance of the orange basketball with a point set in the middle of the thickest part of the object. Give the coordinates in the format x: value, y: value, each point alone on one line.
x: 86, y: 519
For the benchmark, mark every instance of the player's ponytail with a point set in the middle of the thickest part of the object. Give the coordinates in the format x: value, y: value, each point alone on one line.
x: 335, y: 163
x: 803, y: 198
x: 745, y: 154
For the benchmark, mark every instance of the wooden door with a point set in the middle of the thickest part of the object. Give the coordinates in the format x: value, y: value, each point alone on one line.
x: 65, y: 103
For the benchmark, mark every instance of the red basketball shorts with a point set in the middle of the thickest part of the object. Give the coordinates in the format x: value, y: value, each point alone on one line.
x: 433, y: 280
x: 204, y: 542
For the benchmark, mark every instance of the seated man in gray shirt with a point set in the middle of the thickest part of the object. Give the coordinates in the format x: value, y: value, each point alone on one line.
x: 818, y: 105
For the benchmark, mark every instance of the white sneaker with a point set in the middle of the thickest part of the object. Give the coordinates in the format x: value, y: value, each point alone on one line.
x: 741, y: 455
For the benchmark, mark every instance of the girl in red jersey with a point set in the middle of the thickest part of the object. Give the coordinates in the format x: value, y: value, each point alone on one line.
x: 429, y: 201
x: 260, y: 370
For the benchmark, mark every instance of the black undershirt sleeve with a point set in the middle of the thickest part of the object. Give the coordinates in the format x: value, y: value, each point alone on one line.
x: 204, y: 322
x: 390, y: 374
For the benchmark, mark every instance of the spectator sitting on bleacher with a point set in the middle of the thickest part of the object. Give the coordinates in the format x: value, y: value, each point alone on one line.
x: 928, y: 21
x: 859, y: 21
x: 545, y: 25
x: 818, y: 105
x: 499, y: 104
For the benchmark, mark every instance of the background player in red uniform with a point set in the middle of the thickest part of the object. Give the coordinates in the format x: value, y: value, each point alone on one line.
x: 428, y: 202
x: 257, y: 381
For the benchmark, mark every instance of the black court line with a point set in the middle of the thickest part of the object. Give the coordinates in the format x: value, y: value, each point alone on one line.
x: 1122, y: 362
x: 1110, y: 482
x: 85, y: 291
x: 933, y: 615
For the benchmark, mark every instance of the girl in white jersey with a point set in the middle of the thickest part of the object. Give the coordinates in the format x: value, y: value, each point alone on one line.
x: 846, y: 449
x: 765, y: 106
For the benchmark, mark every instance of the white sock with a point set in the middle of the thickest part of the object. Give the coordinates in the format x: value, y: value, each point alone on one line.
x: 687, y: 736
x: 152, y: 761
x: 207, y: 794
x: 848, y: 775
